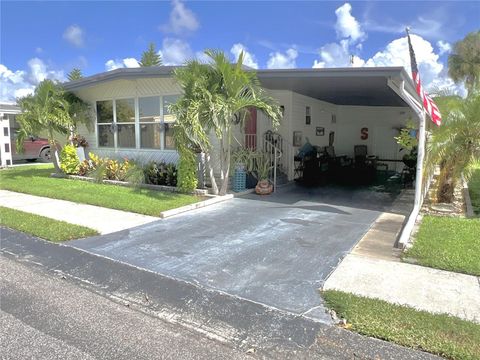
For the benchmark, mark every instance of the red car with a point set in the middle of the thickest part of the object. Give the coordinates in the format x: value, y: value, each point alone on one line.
x: 34, y: 148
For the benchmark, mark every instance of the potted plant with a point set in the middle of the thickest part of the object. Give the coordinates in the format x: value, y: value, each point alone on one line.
x: 263, y: 167
x: 80, y: 144
x: 408, y: 141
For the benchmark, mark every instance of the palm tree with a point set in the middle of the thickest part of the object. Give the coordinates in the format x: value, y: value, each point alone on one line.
x: 150, y: 57
x: 47, y: 109
x: 464, y: 61
x: 75, y: 74
x: 456, y: 144
x: 217, y: 98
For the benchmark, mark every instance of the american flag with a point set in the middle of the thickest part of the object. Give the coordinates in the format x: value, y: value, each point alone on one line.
x: 428, y: 102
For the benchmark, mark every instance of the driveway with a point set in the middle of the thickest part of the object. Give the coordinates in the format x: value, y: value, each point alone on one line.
x: 277, y: 250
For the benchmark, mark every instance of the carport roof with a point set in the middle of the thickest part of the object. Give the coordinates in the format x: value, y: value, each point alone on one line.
x: 366, y: 86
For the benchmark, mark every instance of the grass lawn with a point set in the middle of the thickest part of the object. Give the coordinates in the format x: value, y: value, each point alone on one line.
x: 443, y: 335
x: 42, y: 227
x: 474, y: 188
x: 36, y: 180
x: 448, y: 243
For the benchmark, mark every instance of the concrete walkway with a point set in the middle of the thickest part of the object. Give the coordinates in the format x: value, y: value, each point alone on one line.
x: 423, y: 288
x: 103, y: 220
x: 374, y: 269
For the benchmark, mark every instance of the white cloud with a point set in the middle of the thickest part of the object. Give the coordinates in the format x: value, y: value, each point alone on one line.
x: 74, y: 34
x: 396, y: 53
x: 334, y: 55
x: 175, y: 51
x: 123, y: 63
x: 347, y: 27
x: 443, y: 47
x: 279, y: 60
x: 249, y: 59
x: 38, y: 50
x: 19, y: 83
x: 181, y: 20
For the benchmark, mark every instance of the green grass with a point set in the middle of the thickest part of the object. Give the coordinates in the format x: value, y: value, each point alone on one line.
x: 474, y: 188
x: 443, y: 335
x: 36, y: 180
x: 42, y: 227
x: 448, y: 243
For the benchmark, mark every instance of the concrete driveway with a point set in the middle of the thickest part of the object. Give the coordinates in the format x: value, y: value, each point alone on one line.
x: 277, y: 250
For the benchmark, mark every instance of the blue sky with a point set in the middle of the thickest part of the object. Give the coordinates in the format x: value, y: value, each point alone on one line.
x: 47, y: 39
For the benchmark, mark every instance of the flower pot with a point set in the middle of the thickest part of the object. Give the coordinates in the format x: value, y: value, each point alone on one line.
x: 263, y: 187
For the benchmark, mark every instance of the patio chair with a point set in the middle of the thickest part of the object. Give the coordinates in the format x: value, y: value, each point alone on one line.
x: 360, y: 155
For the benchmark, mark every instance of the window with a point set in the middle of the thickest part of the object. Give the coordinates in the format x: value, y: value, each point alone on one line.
x: 5, y: 131
x: 143, y: 124
x: 125, y: 119
x: 150, y: 125
x: 169, y: 120
x: 7, y: 148
x: 105, y: 125
x: 308, y: 118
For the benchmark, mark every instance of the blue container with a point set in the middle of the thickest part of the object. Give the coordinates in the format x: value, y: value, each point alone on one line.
x: 239, y: 180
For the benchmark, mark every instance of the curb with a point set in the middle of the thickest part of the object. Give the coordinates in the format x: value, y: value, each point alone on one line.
x: 194, y: 206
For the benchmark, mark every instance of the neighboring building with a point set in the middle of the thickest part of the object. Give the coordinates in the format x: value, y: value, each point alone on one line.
x: 34, y: 148
x: 8, y: 113
x: 346, y: 106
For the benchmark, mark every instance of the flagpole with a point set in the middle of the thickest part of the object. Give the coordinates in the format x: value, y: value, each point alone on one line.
x: 420, y: 159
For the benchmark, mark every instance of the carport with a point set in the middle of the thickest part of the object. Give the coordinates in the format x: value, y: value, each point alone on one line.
x: 346, y: 110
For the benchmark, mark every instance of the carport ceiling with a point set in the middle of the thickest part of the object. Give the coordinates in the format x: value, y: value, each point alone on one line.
x: 349, y: 86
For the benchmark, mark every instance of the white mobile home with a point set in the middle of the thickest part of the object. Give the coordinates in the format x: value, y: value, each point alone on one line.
x: 343, y: 107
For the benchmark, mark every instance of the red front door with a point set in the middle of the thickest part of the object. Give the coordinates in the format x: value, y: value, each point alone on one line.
x: 251, y: 130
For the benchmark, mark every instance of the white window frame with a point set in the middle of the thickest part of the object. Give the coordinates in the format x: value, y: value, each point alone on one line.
x: 137, y: 123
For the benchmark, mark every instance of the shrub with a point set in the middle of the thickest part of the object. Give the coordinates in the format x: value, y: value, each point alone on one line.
x: 187, y: 172
x: 160, y: 173
x: 69, y: 161
x: 78, y: 140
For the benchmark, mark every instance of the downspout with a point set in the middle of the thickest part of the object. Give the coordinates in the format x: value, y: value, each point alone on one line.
x: 419, y: 110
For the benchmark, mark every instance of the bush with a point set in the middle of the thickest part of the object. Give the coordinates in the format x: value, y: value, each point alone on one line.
x: 160, y: 173
x: 69, y: 161
x: 187, y: 172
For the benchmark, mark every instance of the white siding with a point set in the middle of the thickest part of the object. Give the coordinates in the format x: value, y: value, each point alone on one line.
x: 383, y: 124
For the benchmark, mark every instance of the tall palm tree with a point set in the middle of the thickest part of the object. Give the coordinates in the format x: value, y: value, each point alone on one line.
x: 456, y: 144
x: 464, y: 61
x: 217, y: 98
x: 47, y: 109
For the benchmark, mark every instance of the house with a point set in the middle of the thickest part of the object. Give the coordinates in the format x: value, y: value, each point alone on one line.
x: 342, y: 107
x: 360, y: 106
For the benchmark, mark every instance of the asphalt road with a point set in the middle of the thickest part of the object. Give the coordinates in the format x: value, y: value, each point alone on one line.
x: 46, y: 317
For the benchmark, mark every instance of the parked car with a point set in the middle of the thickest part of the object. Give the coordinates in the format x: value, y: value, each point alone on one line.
x: 34, y: 148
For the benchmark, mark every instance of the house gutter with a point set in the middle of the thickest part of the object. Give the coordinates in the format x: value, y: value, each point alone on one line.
x: 419, y: 110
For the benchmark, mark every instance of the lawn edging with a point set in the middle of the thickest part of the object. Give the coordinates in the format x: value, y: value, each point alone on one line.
x: 212, y: 200
x: 198, y: 192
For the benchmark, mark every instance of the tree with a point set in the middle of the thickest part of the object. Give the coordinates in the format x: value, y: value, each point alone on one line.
x: 456, y: 144
x: 217, y: 98
x: 47, y: 109
x: 464, y: 61
x: 75, y: 74
x: 150, y: 57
